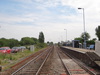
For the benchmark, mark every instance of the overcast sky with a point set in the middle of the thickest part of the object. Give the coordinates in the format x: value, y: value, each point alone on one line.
x: 22, y: 18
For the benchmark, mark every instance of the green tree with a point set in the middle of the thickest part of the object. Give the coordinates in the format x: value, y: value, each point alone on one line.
x: 87, y: 36
x: 8, y: 42
x: 26, y: 41
x: 13, y: 42
x: 80, y: 39
x: 98, y: 32
x: 94, y: 39
x: 51, y: 43
x: 41, y: 37
x: 3, y: 42
x: 48, y: 42
x: 89, y: 42
x: 35, y: 40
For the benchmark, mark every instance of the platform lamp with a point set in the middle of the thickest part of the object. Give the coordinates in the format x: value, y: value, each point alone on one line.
x: 66, y: 36
x: 84, y: 27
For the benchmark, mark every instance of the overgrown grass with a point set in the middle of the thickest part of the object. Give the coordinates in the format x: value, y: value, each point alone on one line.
x: 8, y: 60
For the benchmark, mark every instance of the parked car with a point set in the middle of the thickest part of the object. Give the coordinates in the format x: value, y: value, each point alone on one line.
x: 15, y: 49
x: 22, y: 48
x: 5, y: 50
x: 91, y: 47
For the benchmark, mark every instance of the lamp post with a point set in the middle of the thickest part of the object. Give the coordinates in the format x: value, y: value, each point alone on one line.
x: 66, y: 35
x: 84, y: 27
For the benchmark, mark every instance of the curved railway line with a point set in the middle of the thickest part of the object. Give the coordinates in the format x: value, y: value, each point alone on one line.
x: 53, y: 61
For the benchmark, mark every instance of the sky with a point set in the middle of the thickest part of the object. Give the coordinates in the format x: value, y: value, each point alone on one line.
x: 26, y: 18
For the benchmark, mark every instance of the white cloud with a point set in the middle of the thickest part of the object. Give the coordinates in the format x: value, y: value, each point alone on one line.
x: 51, y: 24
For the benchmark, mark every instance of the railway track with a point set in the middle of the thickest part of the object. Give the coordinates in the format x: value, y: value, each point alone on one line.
x: 53, y: 65
x: 22, y: 62
x: 67, y: 65
x: 49, y: 65
x: 34, y: 65
x: 53, y: 61
x: 73, y: 66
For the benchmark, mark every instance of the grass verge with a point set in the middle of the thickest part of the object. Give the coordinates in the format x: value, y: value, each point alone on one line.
x: 8, y: 60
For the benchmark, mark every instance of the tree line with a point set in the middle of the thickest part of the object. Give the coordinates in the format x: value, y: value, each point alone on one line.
x: 98, y: 32
x: 87, y: 37
x: 24, y: 41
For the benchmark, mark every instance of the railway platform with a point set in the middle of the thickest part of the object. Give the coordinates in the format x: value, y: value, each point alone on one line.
x: 89, y: 57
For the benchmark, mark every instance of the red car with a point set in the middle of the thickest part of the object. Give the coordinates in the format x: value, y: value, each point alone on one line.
x: 5, y: 50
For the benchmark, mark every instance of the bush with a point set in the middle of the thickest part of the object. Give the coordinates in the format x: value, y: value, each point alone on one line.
x: 41, y: 45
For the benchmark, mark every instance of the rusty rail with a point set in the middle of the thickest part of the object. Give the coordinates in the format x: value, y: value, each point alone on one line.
x: 80, y: 64
x: 33, y: 60
x: 43, y: 63
x: 67, y: 70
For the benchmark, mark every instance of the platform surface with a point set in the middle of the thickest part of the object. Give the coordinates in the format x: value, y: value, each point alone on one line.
x: 97, y: 62
x: 79, y: 49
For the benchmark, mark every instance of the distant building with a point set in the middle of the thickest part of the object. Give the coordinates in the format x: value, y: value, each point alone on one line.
x: 31, y: 47
x: 68, y: 43
x: 76, y: 43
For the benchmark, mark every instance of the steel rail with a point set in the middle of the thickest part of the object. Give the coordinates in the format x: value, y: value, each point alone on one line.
x: 26, y: 58
x: 33, y: 60
x: 80, y: 64
x: 43, y: 62
x: 67, y: 70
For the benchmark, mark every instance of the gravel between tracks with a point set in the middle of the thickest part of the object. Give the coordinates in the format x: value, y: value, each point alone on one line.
x: 53, y: 65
